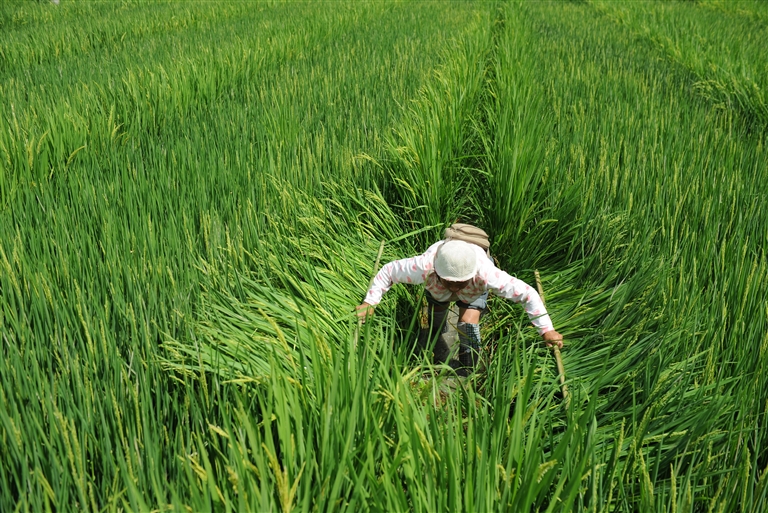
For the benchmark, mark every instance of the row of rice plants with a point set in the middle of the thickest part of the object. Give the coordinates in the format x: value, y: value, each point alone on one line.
x: 165, y: 81
x: 430, y: 166
x: 74, y: 30
x: 181, y: 139
x: 656, y: 195
x: 722, y: 46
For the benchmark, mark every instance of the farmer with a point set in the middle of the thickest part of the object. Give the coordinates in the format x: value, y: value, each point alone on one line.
x: 461, y: 272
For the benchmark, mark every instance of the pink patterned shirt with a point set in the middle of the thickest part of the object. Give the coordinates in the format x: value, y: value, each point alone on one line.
x: 419, y: 269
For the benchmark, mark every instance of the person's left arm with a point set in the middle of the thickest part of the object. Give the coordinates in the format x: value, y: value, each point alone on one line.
x: 509, y: 287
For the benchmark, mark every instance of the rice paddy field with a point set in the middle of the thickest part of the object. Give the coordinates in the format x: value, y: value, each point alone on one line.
x: 193, y: 196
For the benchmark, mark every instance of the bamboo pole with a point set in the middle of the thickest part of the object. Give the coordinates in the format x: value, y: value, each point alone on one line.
x: 376, y: 266
x: 356, y: 336
x: 558, y: 358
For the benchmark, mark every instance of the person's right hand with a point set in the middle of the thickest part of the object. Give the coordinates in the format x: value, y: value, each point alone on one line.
x: 363, y: 311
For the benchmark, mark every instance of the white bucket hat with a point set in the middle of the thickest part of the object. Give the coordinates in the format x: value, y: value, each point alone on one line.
x: 456, y: 260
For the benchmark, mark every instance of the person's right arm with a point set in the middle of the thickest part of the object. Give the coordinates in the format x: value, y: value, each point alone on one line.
x: 413, y: 270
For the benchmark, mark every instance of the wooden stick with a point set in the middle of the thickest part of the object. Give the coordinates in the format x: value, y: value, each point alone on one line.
x: 376, y: 266
x: 558, y: 358
x: 356, y: 335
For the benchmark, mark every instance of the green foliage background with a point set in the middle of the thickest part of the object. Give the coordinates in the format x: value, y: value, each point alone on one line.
x: 193, y: 195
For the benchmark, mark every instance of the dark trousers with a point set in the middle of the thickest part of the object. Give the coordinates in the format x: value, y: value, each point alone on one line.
x: 437, y: 335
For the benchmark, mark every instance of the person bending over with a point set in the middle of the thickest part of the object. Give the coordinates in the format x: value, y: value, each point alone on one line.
x: 460, y: 272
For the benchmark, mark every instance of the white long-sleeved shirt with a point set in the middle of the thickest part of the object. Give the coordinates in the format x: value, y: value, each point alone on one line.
x: 420, y: 269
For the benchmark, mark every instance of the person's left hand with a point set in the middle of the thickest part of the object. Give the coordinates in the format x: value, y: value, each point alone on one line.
x: 553, y: 338
x: 363, y: 311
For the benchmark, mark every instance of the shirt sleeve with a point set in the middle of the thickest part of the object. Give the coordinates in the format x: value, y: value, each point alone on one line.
x: 509, y: 287
x: 413, y: 270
